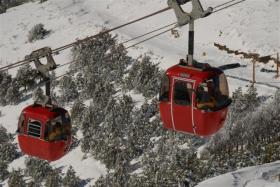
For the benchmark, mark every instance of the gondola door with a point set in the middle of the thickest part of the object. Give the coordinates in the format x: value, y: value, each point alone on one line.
x: 182, y: 105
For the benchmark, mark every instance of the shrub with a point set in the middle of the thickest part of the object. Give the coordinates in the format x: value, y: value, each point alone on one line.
x: 5, y: 4
x: 38, y: 32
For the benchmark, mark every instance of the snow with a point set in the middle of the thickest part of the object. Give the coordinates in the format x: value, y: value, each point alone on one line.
x: 201, y: 151
x: 253, y: 26
x: 266, y: 175
x: 87, y: 168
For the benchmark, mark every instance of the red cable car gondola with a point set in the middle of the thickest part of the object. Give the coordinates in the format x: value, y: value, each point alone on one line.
x: 194, y: 96
x: 194, y: 99
x: 44, y: 130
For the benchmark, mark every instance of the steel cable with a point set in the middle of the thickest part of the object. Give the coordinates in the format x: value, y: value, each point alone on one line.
x: 57, y: 50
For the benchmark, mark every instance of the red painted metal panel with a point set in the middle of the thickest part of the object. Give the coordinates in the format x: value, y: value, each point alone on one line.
x: 38, y: 146
x: 165, y: 114
x: 206, y: 123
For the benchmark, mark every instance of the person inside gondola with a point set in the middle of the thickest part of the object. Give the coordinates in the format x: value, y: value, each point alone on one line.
x: 56, y: 133
x: 204, y: 99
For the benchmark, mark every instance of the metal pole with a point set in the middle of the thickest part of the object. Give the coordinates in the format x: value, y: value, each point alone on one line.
x: 48, y: 87
x: 191, y: 42
x: 277, y: 66
x: 254, y: 71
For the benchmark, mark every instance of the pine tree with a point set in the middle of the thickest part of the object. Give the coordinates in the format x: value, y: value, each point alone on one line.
x: 77, y: 111
x: 5, y: 81
x: 54, y: 179
x: 68, y: 89
x: 16, y: 179
x: 37, y: 169
x: 251, y: 98
x: 13, y: 94
x: 70, y: 179
x: 3, y: 170
x: 26, y: 76
x: 144, y: 76
x: 8, y: 149
x: 80, y: 81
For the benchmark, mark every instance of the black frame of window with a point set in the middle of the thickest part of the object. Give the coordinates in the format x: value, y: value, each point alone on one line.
x: 164, y: 89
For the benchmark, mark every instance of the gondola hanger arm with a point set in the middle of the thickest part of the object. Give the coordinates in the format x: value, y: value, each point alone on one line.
x: 184, y: 17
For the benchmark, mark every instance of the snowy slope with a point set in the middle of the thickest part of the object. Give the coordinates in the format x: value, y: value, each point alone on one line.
x: 266, y: 175
x: 252, y: 26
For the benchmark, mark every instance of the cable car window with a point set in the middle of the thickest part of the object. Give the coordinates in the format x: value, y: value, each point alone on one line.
x: 34, y: 128
x: 55, y: 132
x: 223, y: 86
x: 164, y: 91
x: 58, y: 129
x: 21, y: 124
x: 182, y: 93
x: 213, y: 93
x: 204, y: 97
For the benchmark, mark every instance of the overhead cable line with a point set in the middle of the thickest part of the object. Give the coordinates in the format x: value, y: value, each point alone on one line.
x: 156, y: 35
x: 137, y: 37
x: 223, y: 4
x: 149, y: 33
x: 153, y: 36
x: 225, y: 7
x: 108, y: 31
x: 57, y: 50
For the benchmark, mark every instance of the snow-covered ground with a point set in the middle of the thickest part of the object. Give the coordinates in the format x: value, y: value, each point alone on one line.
x: 253, y: 26
x: 267, y: 175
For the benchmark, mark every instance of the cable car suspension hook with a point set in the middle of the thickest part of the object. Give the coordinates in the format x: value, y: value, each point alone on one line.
x: 189, y: 18
x: 44, y: 69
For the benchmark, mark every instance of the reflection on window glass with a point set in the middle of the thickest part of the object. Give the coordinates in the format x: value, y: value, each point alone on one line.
x: 182, y: 92
x: 164, y: 91
x: 21, y: 124
x: 58, y: 129
x: 213, y: 93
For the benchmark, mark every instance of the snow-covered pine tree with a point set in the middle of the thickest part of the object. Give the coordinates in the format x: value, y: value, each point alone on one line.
x: 144, y: 76
x: 71, y: 179
x: 8, y: 148
x: 13, y: 94
x: 3, y: 170
x: 77, y: 112
x: 103, y: 91
x: 16, y: 179
x: 5, y: 81
x: 54, y: 179
x: 68, y: 89
x: 5, y: 4
x: 26, y: 76
x: 92, y: 117
x: 80, y: 81
x: 37, y: 169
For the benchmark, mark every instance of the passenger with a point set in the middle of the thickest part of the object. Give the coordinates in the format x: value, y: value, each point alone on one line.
x: 204, y: 99
x: 55, y: 133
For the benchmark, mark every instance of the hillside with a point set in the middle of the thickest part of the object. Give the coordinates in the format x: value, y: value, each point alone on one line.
x: 252, y: 26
